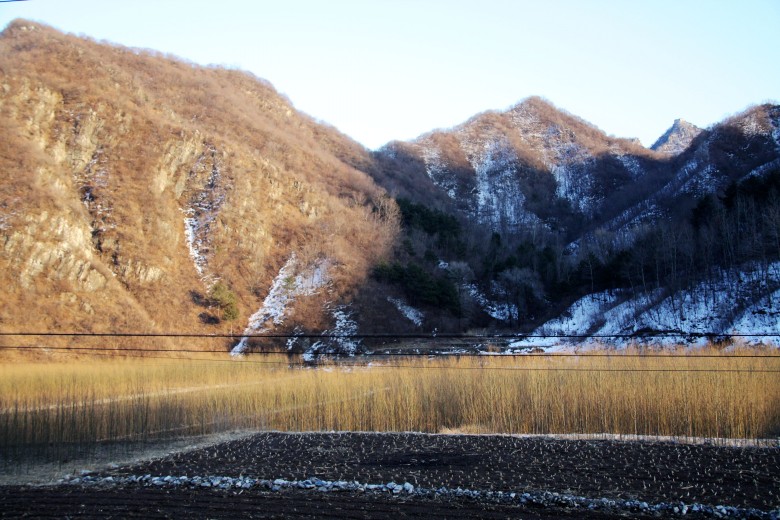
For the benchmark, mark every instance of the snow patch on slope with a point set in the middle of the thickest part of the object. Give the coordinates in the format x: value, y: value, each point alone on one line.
x: 581, y: 318
x: 696, y: 177
x: 341, y: 340
x: 436, y: 169
x: 632, y: 165
x: 764, y: 315
x: 765, y: 168
x: 416, y: 316
x: 200, y: 215
x: 498, y: 200
x: 737, y: 302
x: 722, y: 306
x: 500, y: 203
x: 496, y: 310
x: 286, y: 287
x: 573, y: 176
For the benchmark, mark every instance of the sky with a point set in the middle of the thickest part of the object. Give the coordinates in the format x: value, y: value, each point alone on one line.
x: 381, y: 70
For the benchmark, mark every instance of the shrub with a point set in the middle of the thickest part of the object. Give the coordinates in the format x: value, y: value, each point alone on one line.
x: 225, y: 299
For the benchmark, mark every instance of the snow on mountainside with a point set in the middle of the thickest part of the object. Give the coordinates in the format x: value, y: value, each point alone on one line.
x: 745, y: 145
x: 744, y: 302
x: 492, y: 194
x: 493, y: 164
x: 559, y: 194
x: 125, y: 198
x: 341, y: 340
x: 292, y: 281
x: 499, y: 202
x: 677, y: 138
x: 416, y: 316
x: 202, y: 210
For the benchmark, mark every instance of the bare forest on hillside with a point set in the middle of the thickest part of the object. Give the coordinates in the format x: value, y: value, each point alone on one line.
x: 128, y: 196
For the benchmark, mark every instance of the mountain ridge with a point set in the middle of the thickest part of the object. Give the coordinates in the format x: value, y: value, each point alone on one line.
x: 156, y: 180
x: 128, y: 200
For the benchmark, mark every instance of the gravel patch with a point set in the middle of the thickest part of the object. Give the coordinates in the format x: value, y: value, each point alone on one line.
x: 544, y: 499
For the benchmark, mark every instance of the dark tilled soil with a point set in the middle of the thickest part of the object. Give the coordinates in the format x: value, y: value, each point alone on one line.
x: 72, y: 502
x: 652, y: 472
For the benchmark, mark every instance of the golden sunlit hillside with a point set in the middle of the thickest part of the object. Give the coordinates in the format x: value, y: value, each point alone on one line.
x: 134, y: 183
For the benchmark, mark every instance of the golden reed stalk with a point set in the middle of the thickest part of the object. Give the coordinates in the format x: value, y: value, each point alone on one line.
x: 704, y: 393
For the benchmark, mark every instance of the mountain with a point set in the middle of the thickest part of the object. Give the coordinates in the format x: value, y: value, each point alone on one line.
x: 525, y: 166
x: 142, y: 193
x: 554, y: 210
x: 135, y: 184
x: 677, y: 138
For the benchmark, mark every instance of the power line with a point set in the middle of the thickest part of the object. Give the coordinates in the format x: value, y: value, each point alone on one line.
x: 563, y: 369
x: 302, y: 365
x: 435, y: 335
x: 137, y: 353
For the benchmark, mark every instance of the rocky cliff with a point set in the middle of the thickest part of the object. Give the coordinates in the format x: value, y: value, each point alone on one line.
x: 132, y: 183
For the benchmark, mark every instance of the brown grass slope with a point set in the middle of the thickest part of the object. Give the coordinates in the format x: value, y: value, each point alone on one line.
x: 104, y: 148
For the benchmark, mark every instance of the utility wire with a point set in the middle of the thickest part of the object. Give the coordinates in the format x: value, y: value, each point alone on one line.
x: 446, y: 367
x: 388, y: 335
x: 137, y: 353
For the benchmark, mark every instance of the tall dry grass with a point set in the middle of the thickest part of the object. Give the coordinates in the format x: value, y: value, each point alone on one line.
x: 79, y: 404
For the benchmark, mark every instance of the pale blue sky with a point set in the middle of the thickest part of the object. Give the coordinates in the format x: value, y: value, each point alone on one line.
x: 381, y: 70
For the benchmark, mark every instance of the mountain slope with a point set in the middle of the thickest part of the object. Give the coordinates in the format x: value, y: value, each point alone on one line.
x: 126, y: 197
x: 554, y: 209
x: 530, y: 165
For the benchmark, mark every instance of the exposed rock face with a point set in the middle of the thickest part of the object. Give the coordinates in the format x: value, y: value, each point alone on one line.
x: 535, y: 164
x: 137, y: 190
x: 678, y: 138
x: 520, y: 168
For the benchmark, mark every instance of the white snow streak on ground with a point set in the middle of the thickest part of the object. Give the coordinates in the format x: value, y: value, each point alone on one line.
x: 284, y: 289
x: 581, y: 316
x: 762, y: 316
x: 410, y: 313
x: 200, y: 215
x: 190, y: 229
x: 707, y: 308
x: 437, y: 169
x: 314, y: 484
x: 341, y: 340
x: 496, y: 310
x: 621, y: 318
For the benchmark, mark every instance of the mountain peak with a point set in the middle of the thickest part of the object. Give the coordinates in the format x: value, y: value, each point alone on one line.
x: 19, y: 26
x: 677, y: 138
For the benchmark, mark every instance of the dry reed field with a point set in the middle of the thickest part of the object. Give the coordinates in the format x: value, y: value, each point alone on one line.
x: 76, y: 404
